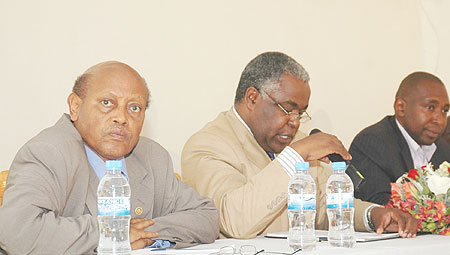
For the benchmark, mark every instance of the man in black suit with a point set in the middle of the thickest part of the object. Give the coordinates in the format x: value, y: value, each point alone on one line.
x: 409, y: 139
x: 446, y: 134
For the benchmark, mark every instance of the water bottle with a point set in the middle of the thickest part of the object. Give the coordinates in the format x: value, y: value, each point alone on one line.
x: 340, y: 209
x: 302, y: 209
x: 113, y: 197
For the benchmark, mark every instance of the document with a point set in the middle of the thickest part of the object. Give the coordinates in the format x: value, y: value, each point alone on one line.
x: 361, y: 237
x: 149, y: 251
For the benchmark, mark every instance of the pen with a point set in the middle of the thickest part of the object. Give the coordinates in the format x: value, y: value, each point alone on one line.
x: 360, y: 175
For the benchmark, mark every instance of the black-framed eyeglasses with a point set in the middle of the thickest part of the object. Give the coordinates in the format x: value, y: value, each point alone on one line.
x: 302, y: 117
x: 248, y: 250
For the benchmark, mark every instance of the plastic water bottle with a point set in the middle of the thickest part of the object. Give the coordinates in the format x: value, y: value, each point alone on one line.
x: 302, y: 209
x: 340, y: 209
x: 113, y: 197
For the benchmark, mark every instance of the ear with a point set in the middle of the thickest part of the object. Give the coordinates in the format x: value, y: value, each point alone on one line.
x: 74, y: 102
x: 251, y: 96
x: 399, y: 107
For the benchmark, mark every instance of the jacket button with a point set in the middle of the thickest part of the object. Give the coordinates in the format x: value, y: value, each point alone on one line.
x: 138, y: 210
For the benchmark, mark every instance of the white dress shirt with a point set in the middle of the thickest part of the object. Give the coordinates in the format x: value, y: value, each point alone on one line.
x: 421, y: 154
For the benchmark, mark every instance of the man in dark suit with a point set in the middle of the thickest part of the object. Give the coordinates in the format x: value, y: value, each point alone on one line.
x: 409, y: 139
x: 446, y: 134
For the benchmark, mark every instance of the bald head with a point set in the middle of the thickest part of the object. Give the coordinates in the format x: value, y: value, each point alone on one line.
x: 411, y: 82
x: 82, y: 83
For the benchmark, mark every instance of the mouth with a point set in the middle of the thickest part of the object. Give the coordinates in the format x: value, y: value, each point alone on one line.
x: 285, y: 139
x: 118, y: 134
x: 432, y: 133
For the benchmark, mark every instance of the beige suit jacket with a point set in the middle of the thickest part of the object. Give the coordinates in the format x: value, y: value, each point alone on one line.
x: 50, y: 201
x: 224, y: 161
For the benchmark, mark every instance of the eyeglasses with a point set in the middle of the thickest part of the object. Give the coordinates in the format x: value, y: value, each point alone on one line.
x: 302, y: 117
x: 248, y: 250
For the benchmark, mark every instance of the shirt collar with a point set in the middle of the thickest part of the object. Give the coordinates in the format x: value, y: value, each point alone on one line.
x: 415, y: 148
x: 241, y: 120
x: 99, y: 165
x: 271, y: 155
x: 412, y: 144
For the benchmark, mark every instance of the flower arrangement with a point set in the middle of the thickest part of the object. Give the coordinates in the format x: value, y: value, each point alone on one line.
x: 425, y: 194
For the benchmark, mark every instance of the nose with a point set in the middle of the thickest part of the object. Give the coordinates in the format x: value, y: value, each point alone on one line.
x: 121, y: 116
x: 294, y: 123
x: 440, y: 117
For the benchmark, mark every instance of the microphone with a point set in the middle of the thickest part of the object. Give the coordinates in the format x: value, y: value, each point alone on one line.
x: 332, y: 157
x: 351, y: 171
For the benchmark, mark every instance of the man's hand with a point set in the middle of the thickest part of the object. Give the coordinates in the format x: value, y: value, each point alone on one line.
x: 394, y: 220
x: 139, y: 238
x: 319, y: 146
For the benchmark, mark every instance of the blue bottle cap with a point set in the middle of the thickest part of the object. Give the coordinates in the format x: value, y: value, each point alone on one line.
x: 338, y: 166
x: 301, y: 166
x: 114, y: 165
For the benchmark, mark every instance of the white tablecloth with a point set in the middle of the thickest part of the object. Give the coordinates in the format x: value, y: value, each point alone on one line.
x: 423, y: 244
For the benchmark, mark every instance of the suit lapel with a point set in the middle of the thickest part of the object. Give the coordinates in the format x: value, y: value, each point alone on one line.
x: 142, y: 190
x: 253, y: 151
x: 405, y: 153
x: 91, y: 196
x: 139, y: 180
x: 91, y: 176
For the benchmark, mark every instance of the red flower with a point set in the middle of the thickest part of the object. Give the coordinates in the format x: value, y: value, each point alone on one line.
x: 413, y: 174
x: 430, y: 211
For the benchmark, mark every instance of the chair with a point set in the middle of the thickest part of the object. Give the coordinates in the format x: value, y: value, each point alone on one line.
x: 3, y: 177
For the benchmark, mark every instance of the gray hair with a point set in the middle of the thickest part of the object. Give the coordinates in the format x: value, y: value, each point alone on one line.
x: 265, y: 72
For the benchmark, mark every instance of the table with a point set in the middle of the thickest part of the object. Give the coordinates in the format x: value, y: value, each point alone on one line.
x: 423, y: 244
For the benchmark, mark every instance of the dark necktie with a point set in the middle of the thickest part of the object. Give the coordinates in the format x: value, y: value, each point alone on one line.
x: 271, y: 155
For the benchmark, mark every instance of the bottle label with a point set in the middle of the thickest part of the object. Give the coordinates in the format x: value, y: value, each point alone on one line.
x: 113, y: 206
x: 339, y: 200
x: 302, y: 202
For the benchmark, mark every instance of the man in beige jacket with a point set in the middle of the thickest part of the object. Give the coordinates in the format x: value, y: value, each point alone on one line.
x: 231, y: 158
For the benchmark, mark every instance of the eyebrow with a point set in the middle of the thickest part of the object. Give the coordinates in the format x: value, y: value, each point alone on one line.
x: 112, y: 94
x: 434, y: 101
x: 295, y: 105
x: 107, y: 94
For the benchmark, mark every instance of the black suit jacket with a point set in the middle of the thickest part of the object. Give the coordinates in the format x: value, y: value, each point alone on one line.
x: 381, y: 154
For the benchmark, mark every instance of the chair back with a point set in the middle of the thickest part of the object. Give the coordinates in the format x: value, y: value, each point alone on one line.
x: 3, y: 177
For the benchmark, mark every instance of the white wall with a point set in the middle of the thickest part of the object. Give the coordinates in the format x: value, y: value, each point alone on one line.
x: 192, y: 53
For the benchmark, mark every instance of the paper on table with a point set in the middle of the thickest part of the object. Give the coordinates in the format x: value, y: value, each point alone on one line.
x: 175, y: 251
x: 204, y: 249
x: 360, y: 236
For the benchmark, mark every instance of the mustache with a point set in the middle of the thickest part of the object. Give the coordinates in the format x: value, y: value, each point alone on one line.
x: 435, y: 128
x: 117, y: 129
